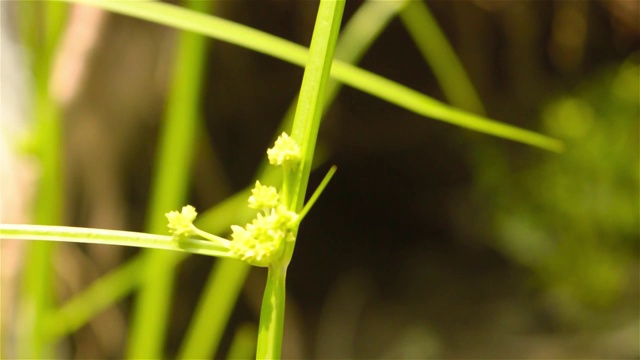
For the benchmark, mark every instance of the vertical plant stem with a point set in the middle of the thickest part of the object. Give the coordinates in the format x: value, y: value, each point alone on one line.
x: 272, y: 314
x: 304, y: 132
x: 35, y: 302
x: 312, y: 93
x: 169, y: 190
x: 356, y: 37
x: 37, y: 295
x: 37, y: 287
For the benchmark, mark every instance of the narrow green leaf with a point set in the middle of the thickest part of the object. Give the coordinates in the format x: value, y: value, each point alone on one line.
x: 441, y: 57
x: 177, y: 141
x: 37, y: 291
x: 365, y: 81
x: 110, y: 237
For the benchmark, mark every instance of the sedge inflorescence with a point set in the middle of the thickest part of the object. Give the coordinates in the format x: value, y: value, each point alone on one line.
x: 181, y: 226
x: 181, y: 223
x: 262, y: 240
x: 285, y: 151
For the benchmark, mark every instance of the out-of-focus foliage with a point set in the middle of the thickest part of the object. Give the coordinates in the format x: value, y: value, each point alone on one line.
x: 573, y: 219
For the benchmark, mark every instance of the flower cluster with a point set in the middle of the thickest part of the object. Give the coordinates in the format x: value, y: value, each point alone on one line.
x: 181, y: 223
x: 263, y: 197
x: 262, y: 240
x: 285, y: 151
x: 181, y: 226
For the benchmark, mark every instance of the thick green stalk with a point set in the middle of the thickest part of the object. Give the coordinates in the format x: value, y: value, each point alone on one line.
x: 312, y: 92
x: 36, y: 295
x: 169, y: 190
x: 272, y: 314
x: 37, y: 282
x: 35, y: 302
x: 304, y: 132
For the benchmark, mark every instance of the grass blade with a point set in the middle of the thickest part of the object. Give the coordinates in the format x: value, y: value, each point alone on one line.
x: 36, y: 293
x: 440, y: 56
x: 178, y: 137
x: 365, y: 81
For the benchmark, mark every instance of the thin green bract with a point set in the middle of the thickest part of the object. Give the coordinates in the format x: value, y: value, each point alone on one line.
x: 110, y: 237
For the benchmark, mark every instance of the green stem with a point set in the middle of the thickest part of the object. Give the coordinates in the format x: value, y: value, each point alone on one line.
x: 272, y: 314
x: 36, y: 301
x: 171, y: 179
x: 312, y: 93
x: 304, y: 132
x: 111, y: 237
x: 37, y: 293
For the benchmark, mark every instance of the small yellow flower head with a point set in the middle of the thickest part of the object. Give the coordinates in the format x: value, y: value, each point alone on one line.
x: 261, y: 241
x: 255, y: 251
x: 285, y: 151
x: 263, y: 197
x: 286, y: 218
x: 181, y: 223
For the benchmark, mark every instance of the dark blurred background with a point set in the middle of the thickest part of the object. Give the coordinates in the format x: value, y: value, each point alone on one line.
x: 431, y: 241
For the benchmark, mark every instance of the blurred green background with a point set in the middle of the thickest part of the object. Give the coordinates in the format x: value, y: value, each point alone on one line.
x: 431, y: 241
